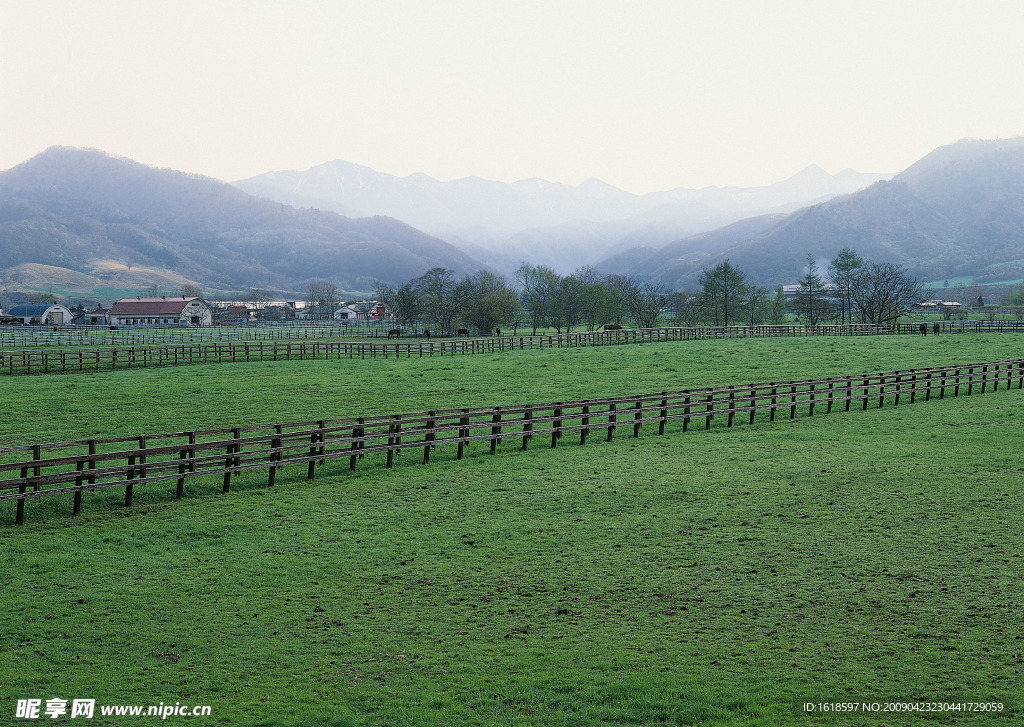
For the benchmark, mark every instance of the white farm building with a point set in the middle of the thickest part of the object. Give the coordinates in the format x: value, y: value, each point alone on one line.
x: 174, y: 311
x: 44, y: 314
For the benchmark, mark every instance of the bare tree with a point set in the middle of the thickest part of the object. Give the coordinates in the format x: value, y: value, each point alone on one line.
x: 492, y: 303
x: 190, y: 290
x: 323, y: 298
x: 841, y: 270
x: 403, y: 302
x: 776, y: 309
x: 442, y: 297
x: 723, y: 288
x: 882, y: 292
x: 257, y: 300
x: 685, y: 307
x: 538, y: 286
x: 645, y: 302
x: 756, y: 302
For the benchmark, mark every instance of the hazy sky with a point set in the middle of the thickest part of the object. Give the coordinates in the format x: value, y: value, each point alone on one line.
x: 646, y: 95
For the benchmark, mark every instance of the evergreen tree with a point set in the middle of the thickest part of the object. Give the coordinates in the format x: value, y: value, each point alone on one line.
x: 810, y: 298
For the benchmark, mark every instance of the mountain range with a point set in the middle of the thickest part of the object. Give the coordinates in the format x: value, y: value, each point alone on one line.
x: 539, y: 221
x: 82, y: 220
x: 958, y: 212
x: 91, y: 221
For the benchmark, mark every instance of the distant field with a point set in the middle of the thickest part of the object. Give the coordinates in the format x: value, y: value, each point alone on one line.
x: 717, y: 577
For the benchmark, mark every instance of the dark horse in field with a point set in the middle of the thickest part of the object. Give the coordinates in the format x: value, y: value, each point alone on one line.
x: 395, y: 333
x: 923, y: 328
x: 462, y: 332
x: 936, y: 328
x: 426, y: 333
x: 613, y: 327
x: 497, y: 332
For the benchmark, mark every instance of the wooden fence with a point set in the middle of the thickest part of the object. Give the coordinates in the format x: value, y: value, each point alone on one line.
x: 71, y: 468
x: 72, y: 360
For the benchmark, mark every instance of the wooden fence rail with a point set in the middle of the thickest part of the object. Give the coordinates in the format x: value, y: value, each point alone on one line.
x: 35, y: 471
x: 125, y: 336
x: 73, y: 360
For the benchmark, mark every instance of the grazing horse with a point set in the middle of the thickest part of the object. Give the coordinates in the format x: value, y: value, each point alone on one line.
x: 462, y: 332
x: 497, y: 332
x: 923, y: 328
x: 395, y: 333
x: 936, y: 328
x: 426, y: 333
x: 613, y: 327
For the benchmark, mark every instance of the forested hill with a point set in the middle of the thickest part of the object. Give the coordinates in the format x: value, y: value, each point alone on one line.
x: 957, y: 212
x: 86, y: 211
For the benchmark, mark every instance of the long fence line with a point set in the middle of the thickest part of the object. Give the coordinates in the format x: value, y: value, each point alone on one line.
x: 37, y: 336
x: 73, y: 360
x: 36, y: 471
x: 20, y: 336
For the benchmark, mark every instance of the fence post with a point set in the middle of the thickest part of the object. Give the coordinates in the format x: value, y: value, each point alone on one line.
x: 828, y: 409
x: 429, y: 436
x: 556, y: 427
x: 275, y: 455
x: 732, y: 404
x: 79, y: 466
x: 394, y: 431
x: 463, y: 433
x: 612, y: 416
x: 927, y: 387
x: 129, y: 487
x: 792, y: 402
x: 527, y: 426
x: 810, y: 409
x: 185, y: 454
x: 867, y: 395
x: 585, y: 422
x: 495, y: 429
x: 686, y: 412
x: 709, y: 416
x: 231, y: 461
x: 896, y: 401
x: 314, y: 438
x: 638, y: 416
x: 970, y: 381
x: 357, y: 433
x: 664, y: 413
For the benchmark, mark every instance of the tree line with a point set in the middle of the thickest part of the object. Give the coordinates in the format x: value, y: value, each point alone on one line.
x: 857, y: 290
x: 545, y: 299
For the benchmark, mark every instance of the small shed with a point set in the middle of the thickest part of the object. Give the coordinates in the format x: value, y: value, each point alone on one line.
x: 42, y: 314
x: 96, y: 317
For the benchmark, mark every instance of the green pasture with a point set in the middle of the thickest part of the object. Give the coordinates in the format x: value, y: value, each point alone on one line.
x: 718, y: 577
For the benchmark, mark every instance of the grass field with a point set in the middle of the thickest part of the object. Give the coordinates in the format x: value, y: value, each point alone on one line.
x: 718, y: 577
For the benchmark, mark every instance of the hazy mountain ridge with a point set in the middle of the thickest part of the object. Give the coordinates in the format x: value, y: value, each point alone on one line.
x: 957, y: 211
x: 72, y: 208
x: 540, y: 221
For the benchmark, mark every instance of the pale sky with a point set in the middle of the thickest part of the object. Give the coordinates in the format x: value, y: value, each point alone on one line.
x: 646, y: 95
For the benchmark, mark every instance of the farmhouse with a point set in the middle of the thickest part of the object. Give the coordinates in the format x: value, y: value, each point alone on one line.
x: 164, y: 311
x: 42, y: 314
